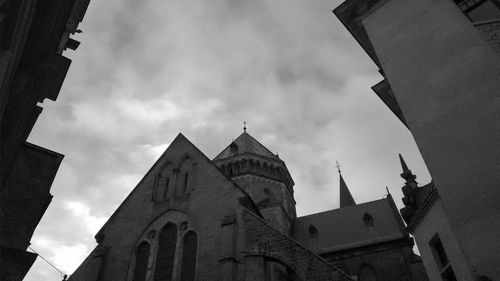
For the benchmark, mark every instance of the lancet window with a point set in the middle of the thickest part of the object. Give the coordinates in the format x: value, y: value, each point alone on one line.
x: 175, y: 257
x: 141, y: 262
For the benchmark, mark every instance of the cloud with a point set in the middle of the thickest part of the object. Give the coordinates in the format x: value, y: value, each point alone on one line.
x: 147, y: 70
x: 82, y: 214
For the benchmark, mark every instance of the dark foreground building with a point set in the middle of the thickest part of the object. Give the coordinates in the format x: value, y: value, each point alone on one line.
x: 233, y: 218
x: 33, y: 36
x: 440, y: 62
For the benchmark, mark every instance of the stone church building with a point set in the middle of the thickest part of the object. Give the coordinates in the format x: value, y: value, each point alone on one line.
x: 234, y: 218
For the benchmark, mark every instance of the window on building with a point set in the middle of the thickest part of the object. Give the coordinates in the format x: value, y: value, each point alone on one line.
x: 366, y: 274
x: 165, y: 192
x: 368, y: 220
x: 276, y: 271
x: 189, y: 251
x: 141, y: 262
x: 186, y: 178
x: 313, y: 231
x: 166, y: 253
x: 156, y: 188
x: 441, y: 259
x: 480, y: 10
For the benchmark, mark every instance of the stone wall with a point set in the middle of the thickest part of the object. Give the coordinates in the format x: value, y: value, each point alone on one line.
x: 389, y: 261
x: 491, y: 33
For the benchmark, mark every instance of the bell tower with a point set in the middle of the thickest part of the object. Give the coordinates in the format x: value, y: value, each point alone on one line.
x: 263, y: 175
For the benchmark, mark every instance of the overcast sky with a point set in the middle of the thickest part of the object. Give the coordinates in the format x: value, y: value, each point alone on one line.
x: 147, y: 70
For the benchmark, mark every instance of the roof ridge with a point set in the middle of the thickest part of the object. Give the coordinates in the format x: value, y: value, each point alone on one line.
x: 340, y: 209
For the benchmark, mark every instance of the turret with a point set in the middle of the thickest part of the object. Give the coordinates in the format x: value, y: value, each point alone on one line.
x: 409, y: 191
x: 263, y: 175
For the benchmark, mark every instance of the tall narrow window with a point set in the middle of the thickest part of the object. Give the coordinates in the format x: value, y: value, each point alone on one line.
x: 441, y: 259
x: 166, y: 253
x: 186, y: 178
x: 165, y: 192
x: 154, y: 196
x: 141, y: 262
x: 189, y: 248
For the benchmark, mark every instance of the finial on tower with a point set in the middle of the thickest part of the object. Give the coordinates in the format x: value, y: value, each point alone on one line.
x: 244, y: 126
x: 338, y: 166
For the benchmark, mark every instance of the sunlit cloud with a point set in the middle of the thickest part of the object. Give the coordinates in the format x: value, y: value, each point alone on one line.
x: 82, y: 214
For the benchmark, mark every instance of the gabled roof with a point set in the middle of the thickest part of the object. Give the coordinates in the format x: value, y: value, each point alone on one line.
x: 176, y: 145
x: 350, y: 227
x: 245, y: 143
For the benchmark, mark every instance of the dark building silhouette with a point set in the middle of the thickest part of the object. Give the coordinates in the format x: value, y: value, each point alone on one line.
x: 441, y: 77
x: 33, y: 36
x: 234, y: 218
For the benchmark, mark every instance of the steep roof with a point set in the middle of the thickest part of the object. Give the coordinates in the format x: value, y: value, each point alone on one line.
x: 245, y: 143
x: 179, y: 144
x: 346, y: 198
x: 350, y: 227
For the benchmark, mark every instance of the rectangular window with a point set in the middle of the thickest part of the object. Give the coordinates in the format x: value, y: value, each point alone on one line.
x: 441, y: 259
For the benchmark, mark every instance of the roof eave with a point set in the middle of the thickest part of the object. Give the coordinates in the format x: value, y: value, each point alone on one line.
x: 350, y: 13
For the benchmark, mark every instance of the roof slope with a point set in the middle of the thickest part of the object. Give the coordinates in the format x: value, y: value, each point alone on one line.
x: 346, y: 198
x: 178, y: 146
x: 245, y: 143
x: 346, y: 228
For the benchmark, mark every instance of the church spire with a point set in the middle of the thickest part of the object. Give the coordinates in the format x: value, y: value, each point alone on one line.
x: 406, y: 174
x: 346, y: 198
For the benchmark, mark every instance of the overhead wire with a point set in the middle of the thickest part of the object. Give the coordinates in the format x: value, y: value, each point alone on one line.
x: 51, y: 264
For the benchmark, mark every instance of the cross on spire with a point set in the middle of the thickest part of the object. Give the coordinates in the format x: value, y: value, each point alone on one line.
x: 244, y: 126
x: 338, y: 166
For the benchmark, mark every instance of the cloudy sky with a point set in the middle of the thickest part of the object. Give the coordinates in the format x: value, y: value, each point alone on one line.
x: 147, y: 70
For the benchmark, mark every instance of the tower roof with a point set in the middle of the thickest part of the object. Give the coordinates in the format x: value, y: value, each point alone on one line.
x: 245, y: 143
x: 346, y: 198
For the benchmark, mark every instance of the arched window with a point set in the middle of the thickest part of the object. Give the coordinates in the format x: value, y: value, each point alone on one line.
x: 166, y: 253
x: 141, y: 262
x: 189, y: 248
x: 366, y: 274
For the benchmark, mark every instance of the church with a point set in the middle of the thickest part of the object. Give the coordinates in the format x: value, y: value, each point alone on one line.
x: 234, y: 218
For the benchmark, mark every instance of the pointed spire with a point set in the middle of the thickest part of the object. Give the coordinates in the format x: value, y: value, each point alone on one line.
x: 388, y: 192
x: 406, y: 174
x: 346, y: 198
x: 403, y: 163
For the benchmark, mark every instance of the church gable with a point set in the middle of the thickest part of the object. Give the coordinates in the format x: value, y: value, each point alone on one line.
x: 183, y: 189
x: 171, y: 180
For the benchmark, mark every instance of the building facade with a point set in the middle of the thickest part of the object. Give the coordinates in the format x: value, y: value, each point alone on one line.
x: 440, y: 65
x: 33, y: 36
x: 234, y: 218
